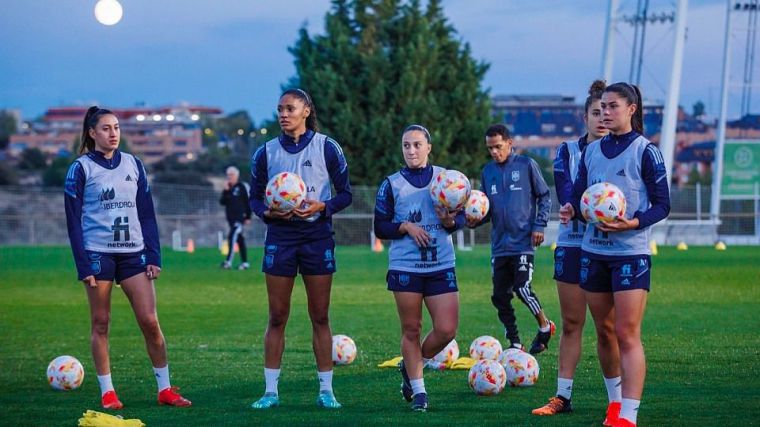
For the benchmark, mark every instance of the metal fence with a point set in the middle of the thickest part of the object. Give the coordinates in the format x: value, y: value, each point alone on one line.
x: 35, y: 216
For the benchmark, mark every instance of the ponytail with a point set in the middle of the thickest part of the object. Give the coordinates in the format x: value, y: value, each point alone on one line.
x: 632, y: 95
x: 311, y: 120
x: 637, y: 121
x: 91, y: 119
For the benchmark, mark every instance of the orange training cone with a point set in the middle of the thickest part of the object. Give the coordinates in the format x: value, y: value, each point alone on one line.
x: 190, y: 246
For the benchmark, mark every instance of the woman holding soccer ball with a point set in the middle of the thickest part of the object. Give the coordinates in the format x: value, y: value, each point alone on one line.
x: 615, y: 258
x: 421, y: 260
x: 567, y: 265
x: 114, y: 236
x: 301, y: 239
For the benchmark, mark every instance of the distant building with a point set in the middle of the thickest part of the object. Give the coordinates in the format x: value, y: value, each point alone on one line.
x: 151, y: 133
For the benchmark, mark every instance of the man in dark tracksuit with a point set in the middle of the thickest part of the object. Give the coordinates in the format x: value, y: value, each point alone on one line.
x: 519, y: 209
x: 235, y: 201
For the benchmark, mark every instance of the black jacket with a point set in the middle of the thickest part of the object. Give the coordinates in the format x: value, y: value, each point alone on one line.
x: 235, y: 201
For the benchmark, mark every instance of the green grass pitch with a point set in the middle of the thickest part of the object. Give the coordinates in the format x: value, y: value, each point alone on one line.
x: 701, y: 334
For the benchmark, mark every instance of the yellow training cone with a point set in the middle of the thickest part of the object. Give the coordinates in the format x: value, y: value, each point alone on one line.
x: 653, y: 247
x: 225, y: 248
x: 682, y: 246
x: 720, y: 246
x: 553, y: 246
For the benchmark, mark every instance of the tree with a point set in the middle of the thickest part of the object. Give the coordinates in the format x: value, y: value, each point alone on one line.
x: 55, y: 174
x: 7, y: 128
x: 385, y: 64
x: 32, y: 159
x: 698, y: 109
x: 7, y: 174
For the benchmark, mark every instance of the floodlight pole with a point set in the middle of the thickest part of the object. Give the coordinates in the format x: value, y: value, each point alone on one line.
x: 668, y: 132
x: 609, y: 41
x: 720, y: 140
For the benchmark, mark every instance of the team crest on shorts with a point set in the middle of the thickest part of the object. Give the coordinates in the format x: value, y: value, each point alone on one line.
x: 269, y: 260
x: 559, y: 268
x: 328, y: 255
x: 584, y: 275
x: 403, y: 279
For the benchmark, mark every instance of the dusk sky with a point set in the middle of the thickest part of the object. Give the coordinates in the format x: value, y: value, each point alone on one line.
x: 233, y: 53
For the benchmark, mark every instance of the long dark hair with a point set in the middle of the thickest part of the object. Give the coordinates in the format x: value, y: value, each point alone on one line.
x: 632, y: 94
x: 595, y: 92
x: 311, y: 120
x: 91, y: 120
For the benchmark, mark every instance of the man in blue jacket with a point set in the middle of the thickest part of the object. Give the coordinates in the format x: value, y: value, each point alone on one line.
x: 520, y: 202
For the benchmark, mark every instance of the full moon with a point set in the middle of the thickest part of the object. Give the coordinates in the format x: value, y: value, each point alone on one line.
x: 108, y: 12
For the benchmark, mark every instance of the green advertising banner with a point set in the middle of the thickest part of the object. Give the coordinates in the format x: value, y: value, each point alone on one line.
x: 741, y: 168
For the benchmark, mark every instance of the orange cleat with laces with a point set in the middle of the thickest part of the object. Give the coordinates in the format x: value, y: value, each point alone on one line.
x: 110, y: 401
x: 613, y: 413
x: 556, y: 405
x: 169, y: 396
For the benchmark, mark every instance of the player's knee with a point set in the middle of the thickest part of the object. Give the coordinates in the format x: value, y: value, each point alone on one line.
x: 411, y: 331
x: 628, y: 335
x: 605, y: 335
x: 100, y: 324
x: 572, y: 325
x: 446, y: 332
x: 278, y: 318
x: 320, y: 319
x: 149, y: 325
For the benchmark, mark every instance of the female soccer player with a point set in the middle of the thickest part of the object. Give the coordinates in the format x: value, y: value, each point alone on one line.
x: 420, y: 260
x: 301, y: 240
x: 114, y: 236
x: 615, y: 258
x: 567, y: 255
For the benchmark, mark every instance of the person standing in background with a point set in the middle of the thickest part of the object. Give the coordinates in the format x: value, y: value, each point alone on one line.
x: 238, y: 210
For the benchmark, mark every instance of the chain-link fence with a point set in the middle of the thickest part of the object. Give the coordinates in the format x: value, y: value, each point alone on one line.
x: 35, y: 216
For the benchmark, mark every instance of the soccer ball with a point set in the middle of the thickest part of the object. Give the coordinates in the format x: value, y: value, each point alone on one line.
x: 477, y: 205
x: 487, y: 377
x: 507, y: 354
x: 450, y: 190
x: 65, y: 373
x: 448, y: 355
x: 602, y: 202
x: 485, y: 347
x: 343, y: 350
x: 285, y: 192
x: 522, y: 369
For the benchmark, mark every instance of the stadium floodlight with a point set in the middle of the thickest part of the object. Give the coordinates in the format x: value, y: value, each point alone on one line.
x: 170, y: 117
x: 108, y: 12
x: 156, y: 117
x: 140, y: 117
x: 195, y: 117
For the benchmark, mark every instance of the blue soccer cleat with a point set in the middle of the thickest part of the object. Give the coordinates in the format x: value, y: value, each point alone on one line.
x: 326, y: 399
x: 268, y: 400
x: 420, y: 402
x: 406, y: 383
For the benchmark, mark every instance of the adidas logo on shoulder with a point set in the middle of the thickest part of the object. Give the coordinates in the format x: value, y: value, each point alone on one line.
x: 621, y: 172
x: 306, y: 163
x: 128, y: 178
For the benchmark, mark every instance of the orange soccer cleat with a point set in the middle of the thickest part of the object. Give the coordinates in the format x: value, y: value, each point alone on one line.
x: 111, y: 401
x: 556, y: 405
x: 613, y: 414
x: 169, y: 396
